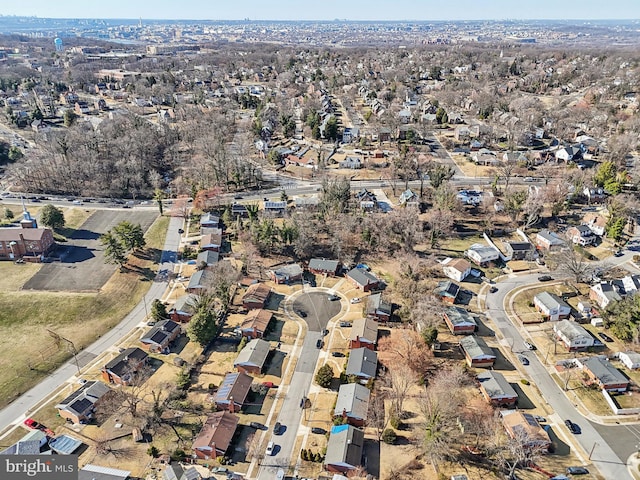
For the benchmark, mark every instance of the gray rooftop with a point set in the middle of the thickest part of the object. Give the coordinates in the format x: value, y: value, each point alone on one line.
x: 362, y: 276
x: 362, y: 362
x: 604, y: 371
x: 496, y: 385
x: 365, y: 329
x: 345, y: 446
x: 97, y: 472
x: 571, y: 330
x: 254, y: 353
x: 551, y: 301
x: 459, y: 316
x: 353, y: 398
x: 324, y: 265
x: 476, y: 347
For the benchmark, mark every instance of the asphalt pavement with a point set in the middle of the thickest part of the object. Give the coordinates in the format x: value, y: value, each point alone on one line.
x: 15, y: 412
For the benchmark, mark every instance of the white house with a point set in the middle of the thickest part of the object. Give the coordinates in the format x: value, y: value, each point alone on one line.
x: 482, y: 254
x: 551, y: 306
x: 631, y: 360
x: 631, y: 284
x: 604, y: 293
x: 574, y: 336
x: 456, y: 268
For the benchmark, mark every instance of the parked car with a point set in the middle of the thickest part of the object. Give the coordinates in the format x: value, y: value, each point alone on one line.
x: 573, y: 427
x: 334, y: 297
x: 523, y: 360
x: 605, y: 337
x: 540, y: 419
x: 545, y: 278
x: 301, y: 313
x: 269, y: 450
x: 529, y: 346
x: 219, y: 470
x: 356, y: 300
x: 337, y: 354
x: 619, y: 253
x: 319, y: 343
x: 493, y: 289
x: 180, y: 231
x: 345, y: 324
x: 276, y: 428
x: 577, y: 471
x: 257, y: 425
x: 318, y: 430
x: 268, y: 384
x: 325, y: 332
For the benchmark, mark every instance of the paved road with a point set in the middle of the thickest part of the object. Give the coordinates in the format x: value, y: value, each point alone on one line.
x: 612, y: 464
x: 318, y: 307
x: 82, y: 267
x: 15, y: 412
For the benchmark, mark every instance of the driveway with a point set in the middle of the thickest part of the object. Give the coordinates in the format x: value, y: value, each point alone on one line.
x: 82, y: 266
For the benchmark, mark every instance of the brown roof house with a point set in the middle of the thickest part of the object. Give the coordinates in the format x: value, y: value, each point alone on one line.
x: 256, y: 323
x: 459, y: 321
x: 256, y: 296
x: 352, y: 404
x: 122, y: 369
x: 233, y: 391
x: 525, y: 428
x: 496, y: 390
x: 456, y: 268
x: 160, y: 336
x: 215, y: 436
x: 252, y: 357
x: 79, y: 406
x: 212, y: 241
x: 477, y: 352
x: 364, y: 334
x: 344, y: 449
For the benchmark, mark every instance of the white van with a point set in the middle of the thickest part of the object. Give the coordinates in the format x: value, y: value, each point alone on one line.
x: 269, y: 450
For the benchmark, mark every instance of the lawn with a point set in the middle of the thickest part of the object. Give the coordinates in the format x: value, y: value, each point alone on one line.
x: 31, y: 319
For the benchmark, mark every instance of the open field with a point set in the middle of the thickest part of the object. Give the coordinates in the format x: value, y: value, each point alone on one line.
x: 27, y: 317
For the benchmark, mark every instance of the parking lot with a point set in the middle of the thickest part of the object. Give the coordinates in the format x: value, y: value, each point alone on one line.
x: 81, y: 266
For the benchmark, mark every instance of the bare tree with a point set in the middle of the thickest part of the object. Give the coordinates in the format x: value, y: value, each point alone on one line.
x: 518, y: 448
x: 399, y: 379
x: 574, y: 263
x: 440, y: 223
x: 376, y: 417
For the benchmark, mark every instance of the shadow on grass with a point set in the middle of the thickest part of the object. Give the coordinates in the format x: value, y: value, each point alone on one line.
x: 274, y: 331
x: 560, y: 447
x: 274, y: 363
x: 501, y: 362
x: 275, y: 299
x: 524, y: 402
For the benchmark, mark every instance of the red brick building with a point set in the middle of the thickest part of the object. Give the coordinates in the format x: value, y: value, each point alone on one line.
x: 28, y: 243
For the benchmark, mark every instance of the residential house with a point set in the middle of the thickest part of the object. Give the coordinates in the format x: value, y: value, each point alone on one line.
x: 32, y: 443
x: 581, y: 235
x: 459, y: 321
x: 256, y: 296
x: 485, y: 157
x: 256, y: 323
x: 462, y: 133
x: 363, y: 279
x: 567, y: 154
x: 368, y: 200
x: 208, y: 258
x: 98, y: 472
x: 353, y: 163
x: 122, y: 369
x: 215, y: 436
x: 80, y: 405
x: 476, y: 351
x: 352, y: 404
x: 307, y: 203
x: 596, y: 222
x: 496, y: 389
x: 212, y: 240
x: 350, y: 134
x: 378, y: 308
x: 573, y: 335
x: 321, y: 266
x: 183, y: 308
x: 344, y: 449
x: 520, y: 251
x: 604, y: 293
x: 631, y: 284
x: 26, y: 243
x: 209, y: 220
x: 594, y: 194
x: 233, y: 391
x: 252, y: 357
x: 176, y: 471
x: 364, y: 333
x: 549, y: 241
x: 481, y: 254
x: 605, y: 375
x: 384, y: 134
x: 447, y: 291
x: 286, y: 274
x: 159, y: 338
x: 456, y: 268
x: 200, y: 282
x: 239, y: 210
x: 274, y: 207
x: 408, y: 198
x: 525, y: 428
x: 551, y: 306
x: 363, y: 363
x: 631, y: 360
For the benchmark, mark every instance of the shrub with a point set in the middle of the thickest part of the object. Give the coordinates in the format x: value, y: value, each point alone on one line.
x: 153, y: 452
x: 212, y: 386
x: 303, y: 454
x: 242, y: 344
x: 317, y: 457
x: 324, y: 376
x: 395, y: 422
x: 178, y: 455
x: 389, y: 436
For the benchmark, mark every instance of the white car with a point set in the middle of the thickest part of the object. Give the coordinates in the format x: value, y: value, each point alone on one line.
x: 356, y: 300
x: 270, y: 447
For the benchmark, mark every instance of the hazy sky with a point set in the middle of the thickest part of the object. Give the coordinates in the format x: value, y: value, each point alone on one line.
x: 327, y: 9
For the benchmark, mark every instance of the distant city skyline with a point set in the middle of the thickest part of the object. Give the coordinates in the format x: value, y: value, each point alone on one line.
x: 392, y: 10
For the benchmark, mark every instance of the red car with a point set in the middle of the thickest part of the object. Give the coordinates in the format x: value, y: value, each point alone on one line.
x: 268, y: 384
x: 31, y: 423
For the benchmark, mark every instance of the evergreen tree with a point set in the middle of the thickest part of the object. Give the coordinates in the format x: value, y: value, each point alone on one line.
x: 52, y: 217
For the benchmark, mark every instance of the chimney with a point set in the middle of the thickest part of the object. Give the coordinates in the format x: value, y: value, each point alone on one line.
x: 344, y: 413
x: 232, y: 406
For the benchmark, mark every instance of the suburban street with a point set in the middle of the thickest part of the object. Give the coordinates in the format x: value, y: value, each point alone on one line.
x: 15, y: 412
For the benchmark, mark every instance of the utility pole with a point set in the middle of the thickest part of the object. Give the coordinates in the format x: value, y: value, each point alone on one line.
x: 594, y: 447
